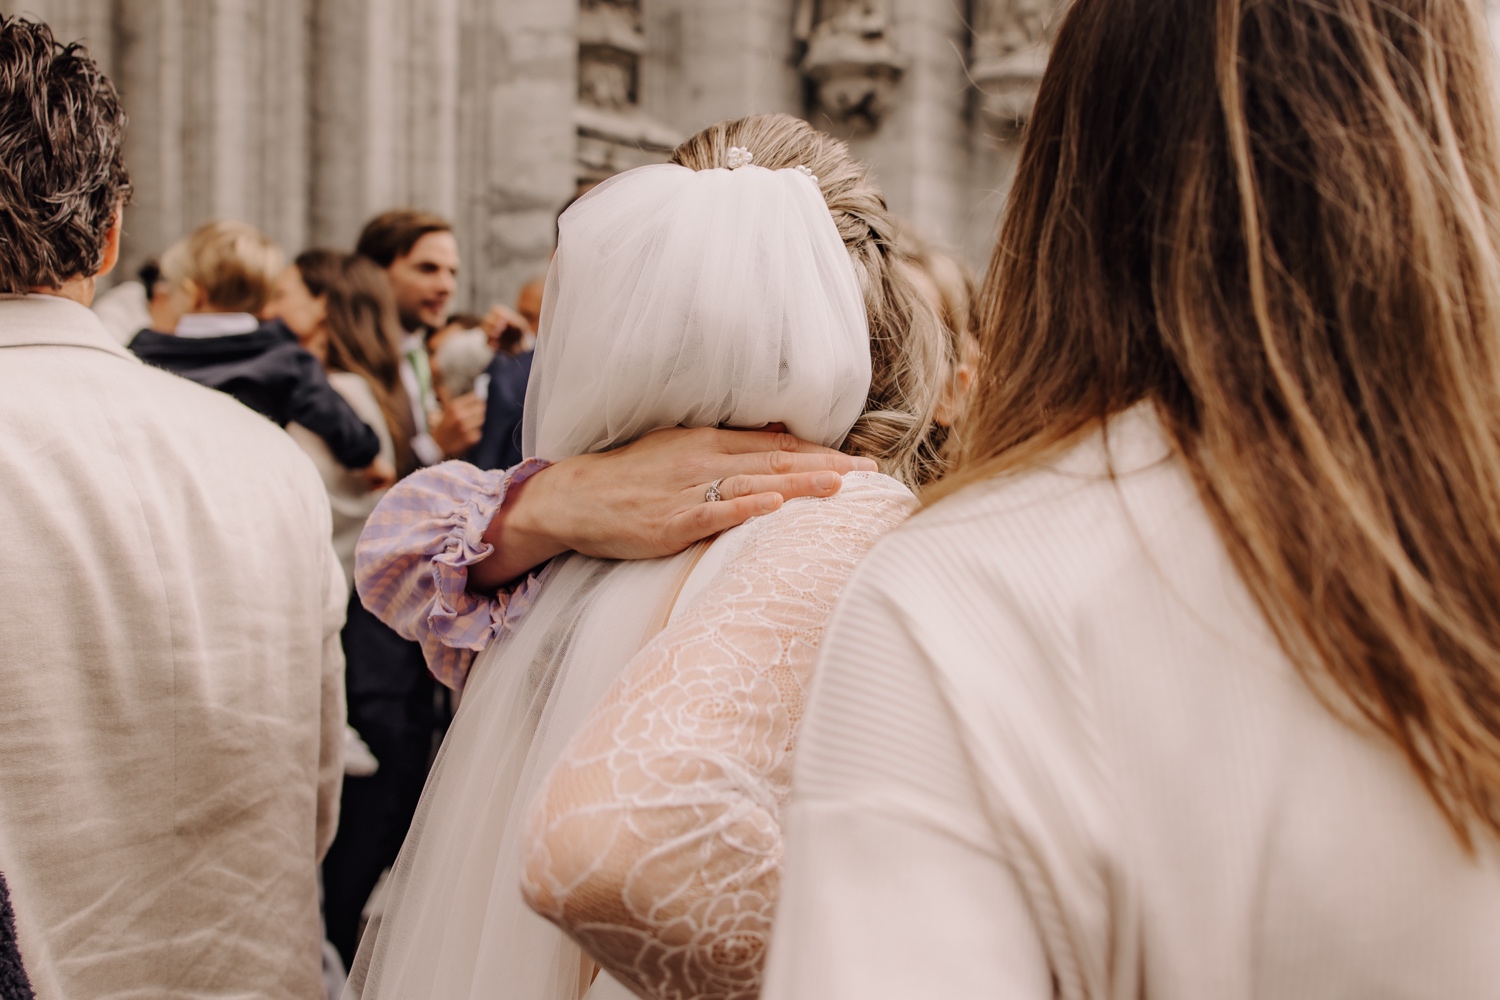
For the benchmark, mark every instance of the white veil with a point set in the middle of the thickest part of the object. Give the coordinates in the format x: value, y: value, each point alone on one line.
x: 676, y: 297
x: 697, y: 297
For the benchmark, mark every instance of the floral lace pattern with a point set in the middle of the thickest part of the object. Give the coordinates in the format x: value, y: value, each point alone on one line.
x: 656, y: 842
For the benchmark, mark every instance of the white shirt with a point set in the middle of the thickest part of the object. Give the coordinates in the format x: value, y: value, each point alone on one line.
x: 199, y: 326
x: 172, y: 708
x: 1054, y: 750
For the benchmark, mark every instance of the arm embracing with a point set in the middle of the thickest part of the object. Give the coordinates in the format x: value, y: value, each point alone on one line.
x: 413, y: 558
x: 657, y: 841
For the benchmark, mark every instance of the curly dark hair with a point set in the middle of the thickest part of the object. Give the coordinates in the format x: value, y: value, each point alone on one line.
x: 61, y: 171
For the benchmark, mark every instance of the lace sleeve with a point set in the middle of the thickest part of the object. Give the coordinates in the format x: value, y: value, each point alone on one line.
x: 656, y: 842
x: 411, y: 564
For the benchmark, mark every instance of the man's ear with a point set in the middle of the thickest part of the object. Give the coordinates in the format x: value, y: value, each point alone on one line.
x: 112, y: 243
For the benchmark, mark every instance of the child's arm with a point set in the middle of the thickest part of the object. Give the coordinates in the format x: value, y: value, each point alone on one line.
x: 316, y: 405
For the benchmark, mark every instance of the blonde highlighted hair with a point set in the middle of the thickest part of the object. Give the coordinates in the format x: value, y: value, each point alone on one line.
x: 1298, y: 266
x: 908, y: 352
x: 233, y: 263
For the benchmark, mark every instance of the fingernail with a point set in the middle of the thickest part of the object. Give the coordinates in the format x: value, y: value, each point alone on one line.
x: 866, y: 465
x: 770, y: 501
x: 826, y: 480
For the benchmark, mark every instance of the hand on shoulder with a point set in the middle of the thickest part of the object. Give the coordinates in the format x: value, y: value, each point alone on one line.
x: 648, y: 499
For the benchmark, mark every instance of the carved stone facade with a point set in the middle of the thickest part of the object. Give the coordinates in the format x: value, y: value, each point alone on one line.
x: 614, y: 133
x: 305, y: 117
x: 1008, y: 56
x: 849, y: 60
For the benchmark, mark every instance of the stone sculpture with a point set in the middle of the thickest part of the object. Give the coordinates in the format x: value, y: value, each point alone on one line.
x: 848, y: 60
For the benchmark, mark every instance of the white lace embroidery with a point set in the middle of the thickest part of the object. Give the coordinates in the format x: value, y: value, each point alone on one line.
x: 656, y: 842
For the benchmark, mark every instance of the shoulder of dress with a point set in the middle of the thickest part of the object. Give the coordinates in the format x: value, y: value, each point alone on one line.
x: 863, y: 489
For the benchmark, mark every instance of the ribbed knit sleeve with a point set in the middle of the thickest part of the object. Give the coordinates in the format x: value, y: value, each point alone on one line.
x: 894, y: 883
x: 1054, y: 750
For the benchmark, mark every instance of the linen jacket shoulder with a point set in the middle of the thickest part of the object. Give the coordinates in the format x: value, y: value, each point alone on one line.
x: 169, y: 652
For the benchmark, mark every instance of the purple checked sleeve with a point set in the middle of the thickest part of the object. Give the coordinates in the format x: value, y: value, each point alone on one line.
x: 412, y: 563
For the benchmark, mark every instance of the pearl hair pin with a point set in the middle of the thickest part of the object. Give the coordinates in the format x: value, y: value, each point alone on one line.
x: 740, y: 156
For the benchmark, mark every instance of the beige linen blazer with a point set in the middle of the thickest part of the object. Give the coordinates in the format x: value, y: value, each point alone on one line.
x: 172, y: 677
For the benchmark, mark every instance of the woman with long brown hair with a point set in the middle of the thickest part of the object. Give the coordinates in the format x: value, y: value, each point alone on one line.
x: 340, y: 307
x: 1189, y: 683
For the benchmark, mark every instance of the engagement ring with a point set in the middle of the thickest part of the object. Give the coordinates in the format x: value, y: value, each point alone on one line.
x: 712, y: 494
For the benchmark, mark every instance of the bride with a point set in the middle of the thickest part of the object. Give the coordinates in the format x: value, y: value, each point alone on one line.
x: 754, y: 280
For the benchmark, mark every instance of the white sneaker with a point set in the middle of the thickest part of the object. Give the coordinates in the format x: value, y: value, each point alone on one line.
x: 359, y: 762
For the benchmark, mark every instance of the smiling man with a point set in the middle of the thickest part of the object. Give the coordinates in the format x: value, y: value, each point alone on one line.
x: 419, y: 255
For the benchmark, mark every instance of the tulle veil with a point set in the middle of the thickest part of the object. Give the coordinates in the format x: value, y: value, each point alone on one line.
x: 702, y: 298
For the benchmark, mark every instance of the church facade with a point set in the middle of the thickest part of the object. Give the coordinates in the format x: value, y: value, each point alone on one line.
x: 305, y: 117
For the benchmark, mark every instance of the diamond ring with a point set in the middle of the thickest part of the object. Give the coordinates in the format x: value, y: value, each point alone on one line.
x: 712, y: 494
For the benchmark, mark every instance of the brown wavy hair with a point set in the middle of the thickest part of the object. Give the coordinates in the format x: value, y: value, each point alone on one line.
x: 909, y: 356
x: 62, y: 173
x: 391, y: 235
x: 1276, y: 221
x: 364, y: 336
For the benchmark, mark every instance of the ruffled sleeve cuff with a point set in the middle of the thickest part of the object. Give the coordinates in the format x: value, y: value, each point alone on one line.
x: 413, y: 558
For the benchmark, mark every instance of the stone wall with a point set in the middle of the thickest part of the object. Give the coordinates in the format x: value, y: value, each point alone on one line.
x: 306, y: 117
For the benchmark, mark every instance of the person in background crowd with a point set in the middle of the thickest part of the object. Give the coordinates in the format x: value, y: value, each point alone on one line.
x: 508, y: 330
x: 945, y: 282
x: 126, y: 308
x: 1188, y: 685
x: 419, y: 256
x: 173, y: 684
x: 455, y: 323
x: 505, y: 381
x: 340, y: 307
x: 159, y: 305
x: 219, y: 280
x: 143, y: 304
x: 459, y: 364
x: 529, y: 306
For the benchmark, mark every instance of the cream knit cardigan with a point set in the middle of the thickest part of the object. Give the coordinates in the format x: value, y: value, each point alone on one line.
x: 1054, y: 750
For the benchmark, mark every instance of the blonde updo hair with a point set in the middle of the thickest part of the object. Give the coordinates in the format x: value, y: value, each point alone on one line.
x: 909, y: 355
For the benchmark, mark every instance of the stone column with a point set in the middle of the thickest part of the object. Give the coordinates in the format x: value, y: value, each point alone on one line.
x: 459, y: 107
x: 385, y: 94
x: 1009, y: 51
x: 517, y: 143
x: 708, y: 60
x: 217, y: 98
x: 91, y: 22
x: 919, y: 151
x: 615, y: 132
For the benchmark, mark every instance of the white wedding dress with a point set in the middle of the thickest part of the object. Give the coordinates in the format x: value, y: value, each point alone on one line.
x: 676, y: 297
